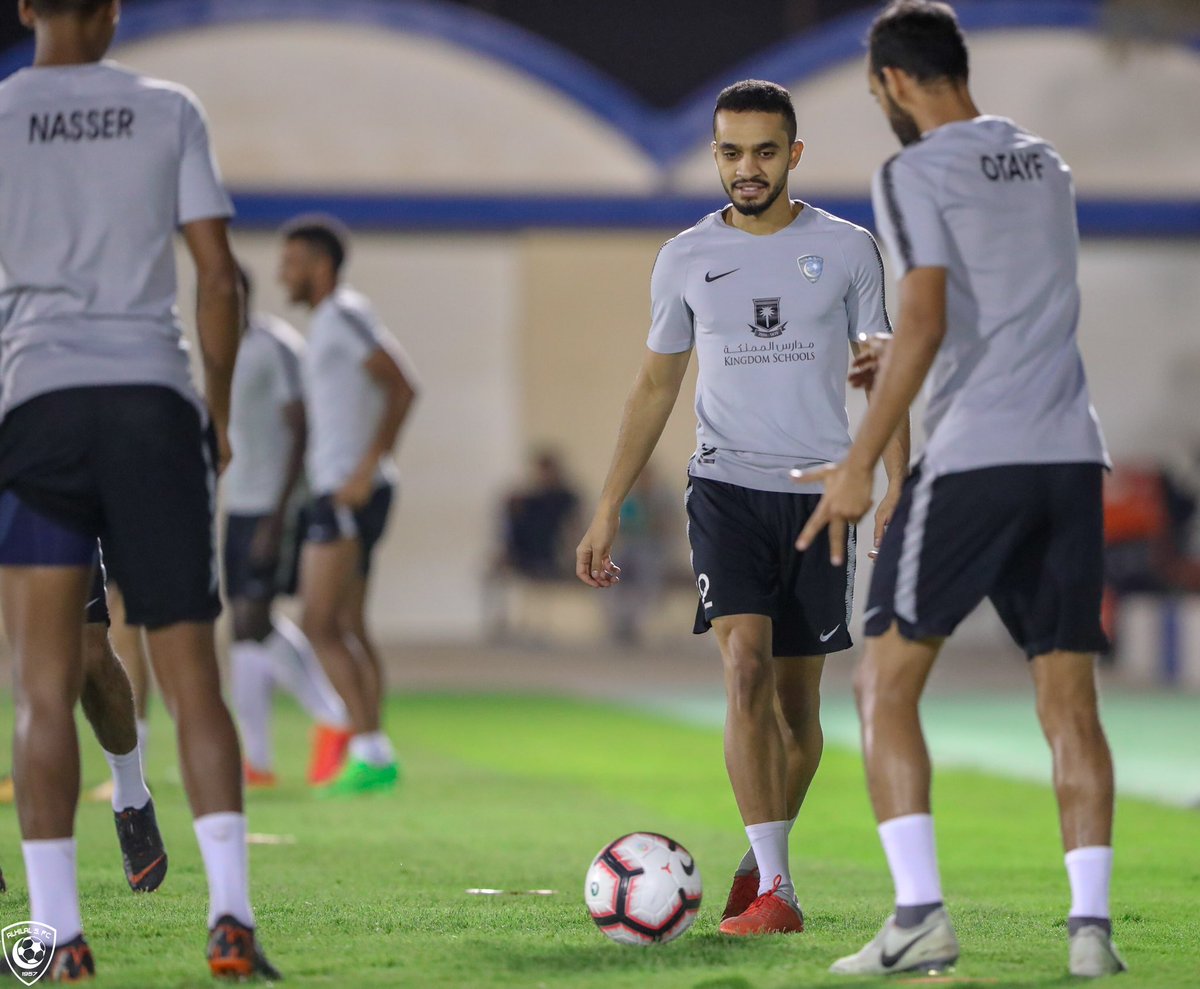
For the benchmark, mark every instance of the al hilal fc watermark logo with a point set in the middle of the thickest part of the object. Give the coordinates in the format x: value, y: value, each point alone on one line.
x: 28, y: 948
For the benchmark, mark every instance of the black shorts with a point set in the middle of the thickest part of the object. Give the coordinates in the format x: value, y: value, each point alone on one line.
x: 328, y: 522
x: 1028, y: 536
x: 260, y: 582
x: 746, y: 563
x: 132, y: 465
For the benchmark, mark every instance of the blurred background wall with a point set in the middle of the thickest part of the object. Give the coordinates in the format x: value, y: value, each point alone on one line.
x: 508, y: 200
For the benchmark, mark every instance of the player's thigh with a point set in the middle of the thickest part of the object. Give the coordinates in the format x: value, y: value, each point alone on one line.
x: 154, y: 464
x: 894, y: 667
x: 732, y: 552
x: 1050, y: 594
x: 949, y: 541
x: 326, y: 571
x: 184, y: 658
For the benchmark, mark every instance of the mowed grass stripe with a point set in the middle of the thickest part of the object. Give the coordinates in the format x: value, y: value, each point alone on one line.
x: 519, y: 793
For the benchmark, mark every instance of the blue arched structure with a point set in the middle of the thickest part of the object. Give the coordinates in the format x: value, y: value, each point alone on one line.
x: 664, y: 135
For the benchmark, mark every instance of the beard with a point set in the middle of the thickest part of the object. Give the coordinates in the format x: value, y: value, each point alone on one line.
x: 764, y: 204
x: 903, y: 125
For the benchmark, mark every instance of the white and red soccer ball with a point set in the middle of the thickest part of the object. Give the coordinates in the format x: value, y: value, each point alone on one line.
x: 643, y: 888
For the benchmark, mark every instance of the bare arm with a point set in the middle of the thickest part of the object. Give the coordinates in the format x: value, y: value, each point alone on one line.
x: 647, y: 410
x: 399, y: 391
x: 218, y: 319
x: 296, y: 421
x: 919, y: 333
x: 895, y: 462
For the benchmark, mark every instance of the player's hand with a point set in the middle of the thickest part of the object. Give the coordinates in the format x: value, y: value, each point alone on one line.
x: 356, y: 492
x: 872, y: 350
x: 847, y: 499
x: 224, y: 450
x: 883, y: 516
x: 593, y: 557
x: 268, y: 537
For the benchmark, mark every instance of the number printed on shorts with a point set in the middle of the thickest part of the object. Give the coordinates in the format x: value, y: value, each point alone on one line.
x: 703, y: 584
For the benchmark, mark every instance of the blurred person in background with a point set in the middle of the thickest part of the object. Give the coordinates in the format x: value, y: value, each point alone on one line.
x: 1005, y: 504
x: 358, y: 391
x: 649, y: 518
x: 105, y: 436
x: 268, y: 428
x: 538, y: 519
x: 773, y: 294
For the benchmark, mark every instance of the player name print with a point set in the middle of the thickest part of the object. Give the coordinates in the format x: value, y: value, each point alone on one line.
x: 70, y: 127
x: 1012, y: 166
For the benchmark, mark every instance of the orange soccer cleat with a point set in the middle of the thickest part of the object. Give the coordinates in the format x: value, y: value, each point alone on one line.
x: 770, y: 913
x: 258, y: 779
x: 742, y: 893
x: 328, y: 754
x: 234, y: 952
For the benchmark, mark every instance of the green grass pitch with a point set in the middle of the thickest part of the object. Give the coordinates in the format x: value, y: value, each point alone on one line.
x: 520, y: 793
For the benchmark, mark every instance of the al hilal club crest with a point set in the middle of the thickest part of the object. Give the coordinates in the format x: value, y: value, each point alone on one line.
x: 28, y: 948
x: 811, y: 266
x: 766, y: 318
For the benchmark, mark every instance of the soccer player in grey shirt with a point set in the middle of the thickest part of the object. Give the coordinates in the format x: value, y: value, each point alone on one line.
x: 358, y: 390
x: 772, y: 294
x: 104, y: 435
x: 979, y: 216
x: 268, y: 428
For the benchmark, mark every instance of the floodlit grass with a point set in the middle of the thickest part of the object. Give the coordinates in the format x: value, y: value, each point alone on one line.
x: 519, y: 793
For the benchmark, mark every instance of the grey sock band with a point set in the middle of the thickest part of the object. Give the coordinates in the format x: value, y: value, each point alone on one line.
x: 1074, y: 924
x: 911, y: 916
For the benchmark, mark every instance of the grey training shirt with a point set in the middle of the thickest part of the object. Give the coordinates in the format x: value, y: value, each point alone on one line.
x: 995, y: 207
x: 771, y: 317
x: 344, y: 403
x: 98, y: 167
x: 266, y: 379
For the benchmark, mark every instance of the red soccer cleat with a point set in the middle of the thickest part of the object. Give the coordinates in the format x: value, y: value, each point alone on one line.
x: 328, y: 754
x: 768, y: 914
x: 742, y: 893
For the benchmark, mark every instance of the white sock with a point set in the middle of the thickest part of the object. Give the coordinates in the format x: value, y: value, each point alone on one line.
x: 53, y: 894
x: 770, y: 844
x: 1089, y: 870
x: 749, y: 863
x: 373, y: 748
x: 143, y: 733
x: 129, y: 786
x: 300, y: 673
x: 222, y: 840
x: 251, y: 682
x: 911, y: 853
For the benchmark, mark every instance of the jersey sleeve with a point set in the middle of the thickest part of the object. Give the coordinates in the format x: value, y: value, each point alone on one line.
x: 909, y: 216
x: 866, y: 301
x: 363, y: 336
x: 671, y: 321
x: 201, y: 194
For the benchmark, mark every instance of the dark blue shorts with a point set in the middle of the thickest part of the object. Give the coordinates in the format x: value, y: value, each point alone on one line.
x: 328, y: 522
x: 746, y: 563
x: 29, y: 538
x: 1030, y: 537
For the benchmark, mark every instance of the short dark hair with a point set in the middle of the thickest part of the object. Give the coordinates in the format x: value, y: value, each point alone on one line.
x: 55, y: 8
x: 325, y: 234
x: 757, y: 96
x: 920, y: 37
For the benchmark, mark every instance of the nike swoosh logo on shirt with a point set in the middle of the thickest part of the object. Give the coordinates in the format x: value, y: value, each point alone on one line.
x: 710, y: 277
x: 887, y: 960
x: 830, y: 634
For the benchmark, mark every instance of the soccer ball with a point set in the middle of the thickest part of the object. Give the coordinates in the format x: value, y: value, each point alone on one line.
x: 643, y: 888
x: 29, y: 952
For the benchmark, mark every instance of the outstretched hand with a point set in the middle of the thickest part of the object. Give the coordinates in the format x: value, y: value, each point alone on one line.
x: 847, y: 499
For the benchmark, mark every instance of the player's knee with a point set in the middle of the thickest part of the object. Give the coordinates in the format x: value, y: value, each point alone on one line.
x: 319, y: 625
x: 748, y: 672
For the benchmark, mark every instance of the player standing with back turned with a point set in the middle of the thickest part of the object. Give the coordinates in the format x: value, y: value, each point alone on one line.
x: 979, y: 216
x: 103, y: 435
x: 772, y: 293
